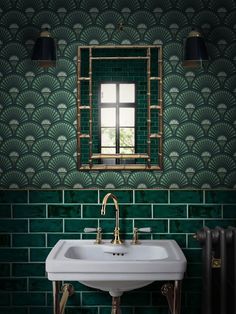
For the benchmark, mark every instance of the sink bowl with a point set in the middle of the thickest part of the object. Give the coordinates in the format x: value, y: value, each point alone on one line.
x: 115, y: 268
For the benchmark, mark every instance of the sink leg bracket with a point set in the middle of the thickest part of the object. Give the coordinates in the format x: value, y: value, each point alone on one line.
x: 172, y: 292
x: 67, y: 290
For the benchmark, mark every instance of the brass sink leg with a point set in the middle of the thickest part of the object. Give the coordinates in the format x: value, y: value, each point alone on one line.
x: 115, y: 305
x: 56, y: 301
x: 67, y: 291
x: 172, y: 292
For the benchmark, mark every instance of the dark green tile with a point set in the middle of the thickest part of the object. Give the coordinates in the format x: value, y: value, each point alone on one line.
x: 5, y: 211
x: 183, y: 226
x: 126, y: 211
x: 96, y: 298
x: 13, y: 310
x: 123, y: 196
x: 124, y: 310
x: 229, y: 211
x: 158, y: 299
x: 46, y: 225
x: 78, y: 225
x: 204, y: 211
x: 224, y: 223
x: 169, y: 211
x: 151, y: 196
x: 28, y: 269
x: 152, y: 310
x: 28, y: 240
x: 5, y: 240
x: 194, y: 269
x: 157, y: 225
x: 5, y: 299
x: 7, y: 196
x: 179, y: 238
x: 139, y: 298
x: 192, y: 242
x: 192, y: 299
x: 28, y: 298
x: 94, y: 211
x: 54, y: 238
x: 222, y: 197
x: 29, y: 211
x: 186, y: 196
x: 67, y: 211
x: 40, y: 284
x: 192, y: 284
x: 92, y: 236
x: 13, y: 284
x: 192, y: 310
x: 193, y: 255
x: 40, y: 310
x: 45, y: 196
x: 39, y: 255
x: 83, y: 310
x: 108, y: 225
x: 141, y: 236
x: 13, y: 255
x: 81, y: 196
x: 135, y: 211
x: 4, y: 269
x: 13, y: 225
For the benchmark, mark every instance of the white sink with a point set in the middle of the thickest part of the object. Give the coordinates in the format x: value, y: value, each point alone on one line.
x: 115, y: 268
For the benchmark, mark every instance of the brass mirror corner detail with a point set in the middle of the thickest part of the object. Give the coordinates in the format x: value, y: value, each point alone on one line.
x: 119, y: 108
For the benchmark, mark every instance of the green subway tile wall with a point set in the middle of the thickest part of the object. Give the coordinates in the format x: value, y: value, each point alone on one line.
x: 38, y: 105
x: 29, y: 230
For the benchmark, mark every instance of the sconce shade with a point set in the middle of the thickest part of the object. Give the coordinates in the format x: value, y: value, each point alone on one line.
x: 44, y: 51
x: 195, y: 51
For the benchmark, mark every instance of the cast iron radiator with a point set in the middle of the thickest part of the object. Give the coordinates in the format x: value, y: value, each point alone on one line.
x: 219, y: 270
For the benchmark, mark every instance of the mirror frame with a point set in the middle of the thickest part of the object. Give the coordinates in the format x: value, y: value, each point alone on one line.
x: 158, y: 108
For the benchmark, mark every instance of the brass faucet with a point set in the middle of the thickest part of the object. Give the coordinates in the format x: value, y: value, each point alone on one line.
x: 116, y: 239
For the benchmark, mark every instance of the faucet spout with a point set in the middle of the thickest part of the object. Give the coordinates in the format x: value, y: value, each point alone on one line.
x: 116, y: 239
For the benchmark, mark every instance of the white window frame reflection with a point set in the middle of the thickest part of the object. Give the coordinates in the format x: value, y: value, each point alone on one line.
x: 118, y: 106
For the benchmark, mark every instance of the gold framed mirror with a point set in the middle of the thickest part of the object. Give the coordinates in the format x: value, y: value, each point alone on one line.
x: 119, y: 108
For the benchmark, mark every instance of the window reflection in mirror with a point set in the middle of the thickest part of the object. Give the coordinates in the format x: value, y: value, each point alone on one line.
x: 117, y: 120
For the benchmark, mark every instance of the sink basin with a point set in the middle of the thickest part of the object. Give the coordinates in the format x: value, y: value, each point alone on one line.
x: 115, y: 268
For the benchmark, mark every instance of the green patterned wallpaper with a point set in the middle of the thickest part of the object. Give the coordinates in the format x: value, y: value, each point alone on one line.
x: 38, y: 106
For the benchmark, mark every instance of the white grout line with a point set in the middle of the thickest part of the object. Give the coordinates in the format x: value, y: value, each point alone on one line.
x: 186, y: 238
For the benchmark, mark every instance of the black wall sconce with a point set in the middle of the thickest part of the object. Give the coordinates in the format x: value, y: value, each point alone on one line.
x: 195, y: 51
x: 44, y: 51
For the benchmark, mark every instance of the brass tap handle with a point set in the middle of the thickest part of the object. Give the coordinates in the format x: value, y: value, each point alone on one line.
x: 98, y: 236
x: 135, y: 239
